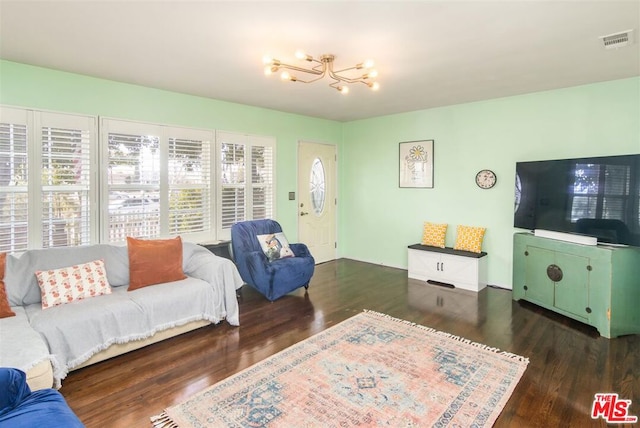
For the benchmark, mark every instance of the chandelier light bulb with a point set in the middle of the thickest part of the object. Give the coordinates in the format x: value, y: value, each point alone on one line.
x: 285, y: 75
x: 268, y: 70
x: 267, y: 59
x: 343, y: 89
x: 368, y: 63
x: 300, y: 54
x: 373, y: 73
x: 375, y: 86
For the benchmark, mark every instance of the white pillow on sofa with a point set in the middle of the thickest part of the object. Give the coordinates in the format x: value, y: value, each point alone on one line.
x: 69, y: 284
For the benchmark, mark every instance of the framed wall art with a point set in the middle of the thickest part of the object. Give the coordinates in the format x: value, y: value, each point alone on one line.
x: 416, y: 164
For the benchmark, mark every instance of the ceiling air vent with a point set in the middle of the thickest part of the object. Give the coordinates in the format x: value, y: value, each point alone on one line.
x: 617, y: 40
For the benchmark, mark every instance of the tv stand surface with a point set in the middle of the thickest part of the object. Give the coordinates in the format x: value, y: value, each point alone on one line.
x: 597, y: 285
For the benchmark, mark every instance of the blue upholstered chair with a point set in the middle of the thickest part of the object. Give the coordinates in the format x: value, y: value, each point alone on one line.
x: 19, y: 407
x: 274, y: 278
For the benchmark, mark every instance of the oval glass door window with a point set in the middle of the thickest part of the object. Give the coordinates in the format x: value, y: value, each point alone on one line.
x: 317, y: 186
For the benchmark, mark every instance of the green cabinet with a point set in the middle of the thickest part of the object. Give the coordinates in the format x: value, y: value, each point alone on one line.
x: 598, y: 285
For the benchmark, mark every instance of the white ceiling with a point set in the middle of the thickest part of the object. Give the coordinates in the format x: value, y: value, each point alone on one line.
x: 428, y: 53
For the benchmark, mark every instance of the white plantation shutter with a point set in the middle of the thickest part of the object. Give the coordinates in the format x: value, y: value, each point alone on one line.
x: 246, y: 179
x: 232, y: 183
x: 13, y: 181
x: 65, y: 158
x: 47, y: 197
x: 132, y: 180
x: 62, y: 184
x: 159, y: 181
x: 262, y: 180
x: 190, y: 196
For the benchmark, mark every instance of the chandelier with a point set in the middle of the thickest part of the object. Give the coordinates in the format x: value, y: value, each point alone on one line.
x: 324, y: 66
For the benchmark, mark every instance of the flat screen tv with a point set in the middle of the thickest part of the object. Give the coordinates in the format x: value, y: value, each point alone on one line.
x: 595, y: 196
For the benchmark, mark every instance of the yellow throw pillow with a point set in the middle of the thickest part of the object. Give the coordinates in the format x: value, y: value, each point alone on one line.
x: 469, y: 238
x: 434, y: 234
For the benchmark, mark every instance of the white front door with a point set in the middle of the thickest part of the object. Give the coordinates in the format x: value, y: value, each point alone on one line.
x: 317, y: 199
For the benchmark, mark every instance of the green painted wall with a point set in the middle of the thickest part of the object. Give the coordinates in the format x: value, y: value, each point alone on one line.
x: 379, y: 219
x: 27, y: 86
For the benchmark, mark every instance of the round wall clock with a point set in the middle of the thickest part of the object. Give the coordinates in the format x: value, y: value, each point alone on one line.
x: 486, y: 179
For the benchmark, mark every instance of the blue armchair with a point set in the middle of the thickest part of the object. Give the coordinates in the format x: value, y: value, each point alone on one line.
x: 274, y: 278
x: 19, y: 407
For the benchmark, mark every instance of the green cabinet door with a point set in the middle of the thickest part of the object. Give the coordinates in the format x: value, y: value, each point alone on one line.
x: 537, y: 286
x: 572, y: 291
x: 557, y: 280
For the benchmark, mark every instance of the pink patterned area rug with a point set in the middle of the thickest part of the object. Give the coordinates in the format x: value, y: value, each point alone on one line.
x: 369, y: 370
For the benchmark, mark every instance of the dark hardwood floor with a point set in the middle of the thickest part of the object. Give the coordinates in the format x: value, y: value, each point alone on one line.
x: 569, y: 361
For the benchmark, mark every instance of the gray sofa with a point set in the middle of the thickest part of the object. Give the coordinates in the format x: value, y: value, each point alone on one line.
x: 47, y: 344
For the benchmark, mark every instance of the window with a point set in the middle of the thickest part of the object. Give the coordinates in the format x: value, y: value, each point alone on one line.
x: 190, y: 163
x: 50, y: 205
x: 246, y: 190
x: 158, y: 181
x: 133, y: 186
x: 13, y: 181
x: 316, y: 186
x: 66, y: 186
x: 62, y: 184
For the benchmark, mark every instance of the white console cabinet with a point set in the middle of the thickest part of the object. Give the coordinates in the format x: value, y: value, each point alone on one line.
x: 448, y: 267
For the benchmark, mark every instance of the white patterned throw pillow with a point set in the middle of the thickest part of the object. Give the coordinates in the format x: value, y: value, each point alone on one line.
x: 275, y: 246
x: 69, y: 284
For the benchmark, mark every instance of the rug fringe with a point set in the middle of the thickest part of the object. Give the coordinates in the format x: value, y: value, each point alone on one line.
x: 163, y: 421
x: 449, y: 336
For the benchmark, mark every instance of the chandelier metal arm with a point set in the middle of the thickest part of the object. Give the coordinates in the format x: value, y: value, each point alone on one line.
x: 303, y: 70
x: 296, y: 79
x: 335, y: 76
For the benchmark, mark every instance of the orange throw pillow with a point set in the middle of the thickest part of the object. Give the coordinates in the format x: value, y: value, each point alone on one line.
x: 154, y: 261
x: 5, y: 309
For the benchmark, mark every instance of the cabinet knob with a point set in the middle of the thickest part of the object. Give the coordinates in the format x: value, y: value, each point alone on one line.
x: 525, y: 288
x: 588, y: 310
x: 526, y: 253
x: 589, y: 268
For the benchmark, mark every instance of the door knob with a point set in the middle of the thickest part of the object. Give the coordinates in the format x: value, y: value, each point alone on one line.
x: 303, y: 213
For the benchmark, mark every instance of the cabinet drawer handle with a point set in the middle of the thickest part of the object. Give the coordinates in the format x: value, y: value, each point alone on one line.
x: 554, y: 273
